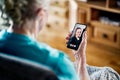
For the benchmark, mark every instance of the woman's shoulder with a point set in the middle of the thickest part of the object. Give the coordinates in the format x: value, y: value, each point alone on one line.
x: 73, y: 37
x: 54, y: 53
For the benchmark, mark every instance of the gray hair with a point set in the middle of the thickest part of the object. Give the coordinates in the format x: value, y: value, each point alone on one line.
x: 19, y: 10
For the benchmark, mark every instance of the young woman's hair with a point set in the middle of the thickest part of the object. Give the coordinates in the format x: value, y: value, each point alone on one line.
x: 20, y: 10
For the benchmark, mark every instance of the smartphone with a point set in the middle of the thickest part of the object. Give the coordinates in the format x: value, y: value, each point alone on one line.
x: 76, y: 37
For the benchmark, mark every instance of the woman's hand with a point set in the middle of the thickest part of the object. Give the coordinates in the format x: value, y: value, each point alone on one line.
x: 82, y: 47
x: 68, y: 37
x: 80, y: 56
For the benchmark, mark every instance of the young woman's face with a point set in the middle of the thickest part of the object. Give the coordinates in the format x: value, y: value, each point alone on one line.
x: 78, y: 32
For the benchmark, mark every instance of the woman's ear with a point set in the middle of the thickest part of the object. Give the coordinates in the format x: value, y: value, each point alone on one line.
x: 41, y: 19
x: 40, y: 13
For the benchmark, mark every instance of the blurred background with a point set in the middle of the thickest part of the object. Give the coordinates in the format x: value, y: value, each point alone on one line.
x: 102, y: 18
x: 103, y: 21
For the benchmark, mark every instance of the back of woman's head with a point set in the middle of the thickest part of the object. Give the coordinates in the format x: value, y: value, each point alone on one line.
x: 20, y: 10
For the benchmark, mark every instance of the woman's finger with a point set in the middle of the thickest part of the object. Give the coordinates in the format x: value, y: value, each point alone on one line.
x: 84, y: 35
x: 68, y: 37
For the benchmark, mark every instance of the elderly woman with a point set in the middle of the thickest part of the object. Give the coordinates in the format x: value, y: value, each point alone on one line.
x: 27, y: 18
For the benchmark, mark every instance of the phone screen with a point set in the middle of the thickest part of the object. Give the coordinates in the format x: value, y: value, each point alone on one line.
x: 76, y: 36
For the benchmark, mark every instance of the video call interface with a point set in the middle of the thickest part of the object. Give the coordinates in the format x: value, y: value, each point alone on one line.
x: 76, y: 36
